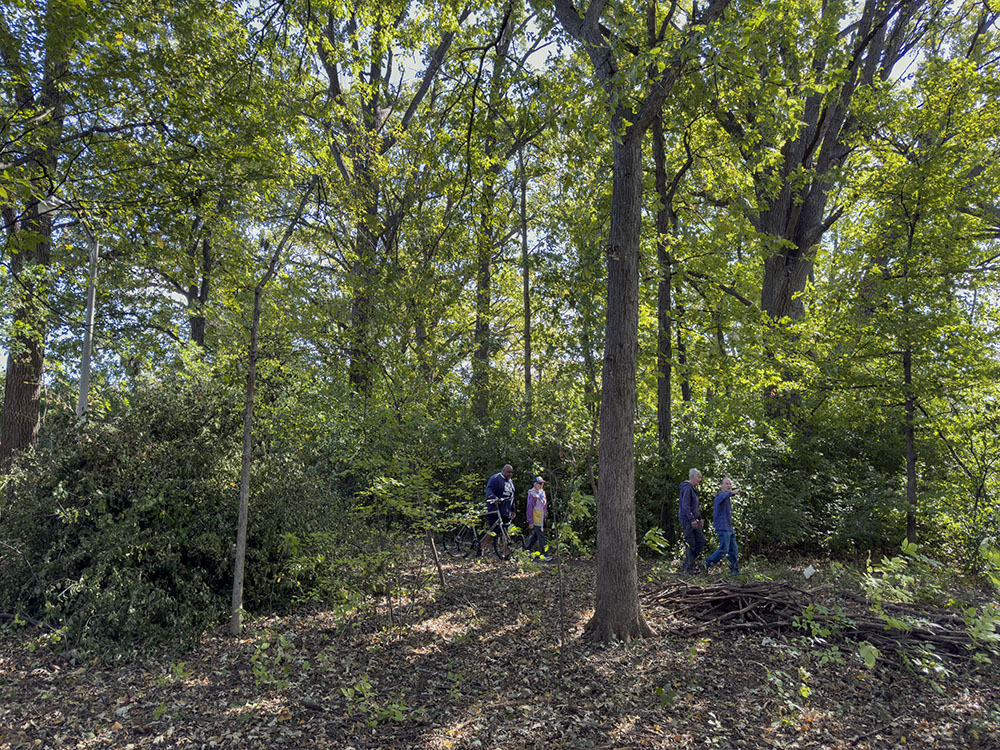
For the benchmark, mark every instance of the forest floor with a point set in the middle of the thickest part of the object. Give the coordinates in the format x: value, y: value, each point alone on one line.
x: 480, y: 664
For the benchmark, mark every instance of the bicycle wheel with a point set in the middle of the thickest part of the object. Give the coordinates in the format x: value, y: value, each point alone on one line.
x: 516, y: 539
x: 507, y: 542
x: 458, y: 542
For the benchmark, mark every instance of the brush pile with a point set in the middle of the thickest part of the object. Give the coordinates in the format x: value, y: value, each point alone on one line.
x: 778, y: 606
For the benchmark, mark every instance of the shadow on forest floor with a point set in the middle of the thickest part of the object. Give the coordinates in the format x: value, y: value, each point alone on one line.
x: 479, y: 664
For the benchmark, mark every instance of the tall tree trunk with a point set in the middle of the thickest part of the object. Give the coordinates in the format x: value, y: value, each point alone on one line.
x: 26, y: 357
x: 32, y: 235
x: 487, y: 239
x: 666, y: 228
x: 481, y: 356
x: 364, y: 272
x: 198, y: 293
x: 911, y: 449
x: 682, y: 359
x: 93, y: 252
x: 236, y: 613
x: 526, y: 289
x: 616, y: 602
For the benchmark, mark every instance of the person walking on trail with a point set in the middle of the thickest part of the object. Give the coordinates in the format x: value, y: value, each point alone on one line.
x: 499, y: 504
x: 691, y: 522
x: 535, y: 513
x: 722, y: 520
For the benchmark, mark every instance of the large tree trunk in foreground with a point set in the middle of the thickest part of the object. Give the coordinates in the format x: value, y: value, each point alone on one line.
x: 616, y: 602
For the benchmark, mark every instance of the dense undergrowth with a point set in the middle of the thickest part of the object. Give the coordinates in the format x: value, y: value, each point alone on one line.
x: 117, y: 534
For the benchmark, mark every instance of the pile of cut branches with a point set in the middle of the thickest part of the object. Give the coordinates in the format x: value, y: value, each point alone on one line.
x: 777, y: 606
x: 769, y: 605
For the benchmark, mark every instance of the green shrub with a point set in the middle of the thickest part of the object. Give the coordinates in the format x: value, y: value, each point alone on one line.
x: 120, y: 533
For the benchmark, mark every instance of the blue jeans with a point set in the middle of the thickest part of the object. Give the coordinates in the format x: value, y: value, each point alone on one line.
x: 727, y: 546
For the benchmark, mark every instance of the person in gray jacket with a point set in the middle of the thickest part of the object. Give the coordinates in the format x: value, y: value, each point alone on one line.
x: 691, y: 521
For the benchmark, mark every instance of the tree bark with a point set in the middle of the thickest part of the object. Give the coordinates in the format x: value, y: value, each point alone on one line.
x: 526, y: 289
x: 487, y: 240
x: 236, y: 613
x: 617, y: 615
x: 667, y: 223
x: 794, y: 220
x: 616, y: 601
x: 682, y: 359
x: 911, y: 449
x: 198, y: 293
x: 32, y: 236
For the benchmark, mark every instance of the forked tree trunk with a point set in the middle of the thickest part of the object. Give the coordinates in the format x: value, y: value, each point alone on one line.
x: 616, y: 602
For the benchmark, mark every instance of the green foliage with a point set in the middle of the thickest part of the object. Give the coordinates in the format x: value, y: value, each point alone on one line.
x: 869, y: 654
x: 271, y: 663
x: 816, y: 487
x: 120, y: 532
x: 577, y: 530
x: 911, y: 577
x: 915, y: 577
x: 655, y: 540
x: 361, y: 696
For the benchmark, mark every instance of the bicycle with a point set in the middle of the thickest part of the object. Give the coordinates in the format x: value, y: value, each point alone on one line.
x: 462, y: 539
x: 507, y: 538
x: 459, y: 540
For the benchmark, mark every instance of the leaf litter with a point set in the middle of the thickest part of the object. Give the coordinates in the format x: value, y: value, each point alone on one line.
x: 483, y: 663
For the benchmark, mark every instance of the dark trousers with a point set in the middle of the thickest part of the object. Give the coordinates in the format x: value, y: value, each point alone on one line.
x: 695, y: 541
x: 537, y: 536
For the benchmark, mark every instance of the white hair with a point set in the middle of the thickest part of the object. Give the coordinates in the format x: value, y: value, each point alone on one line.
x: 693, y: 473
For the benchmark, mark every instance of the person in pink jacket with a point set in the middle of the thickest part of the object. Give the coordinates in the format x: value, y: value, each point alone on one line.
x: 535, y: 515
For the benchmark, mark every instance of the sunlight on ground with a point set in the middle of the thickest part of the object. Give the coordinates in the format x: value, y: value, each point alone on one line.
x: 624, y: 727
x: 449, y: 625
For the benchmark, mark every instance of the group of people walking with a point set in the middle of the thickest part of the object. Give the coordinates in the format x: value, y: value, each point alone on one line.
x: 692, y: 524
x: 500, y: 508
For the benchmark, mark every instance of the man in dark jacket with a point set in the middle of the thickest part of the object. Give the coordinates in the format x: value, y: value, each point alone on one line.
x: 499, y: 504
x: 691, y: 523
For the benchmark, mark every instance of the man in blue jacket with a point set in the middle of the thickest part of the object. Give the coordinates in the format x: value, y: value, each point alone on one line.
x: 499, y: 504
x: 691, y: 522
x: 722, y: 520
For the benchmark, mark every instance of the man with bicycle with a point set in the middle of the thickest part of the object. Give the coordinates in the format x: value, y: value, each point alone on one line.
x: 499, y: 503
